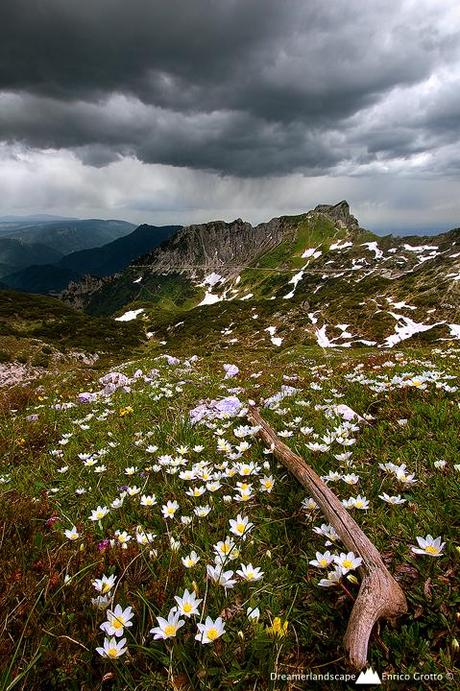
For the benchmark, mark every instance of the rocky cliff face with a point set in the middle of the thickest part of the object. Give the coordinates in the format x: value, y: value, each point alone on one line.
x: 78, y: 293
x: 340, y: 213
x: 216, y: 246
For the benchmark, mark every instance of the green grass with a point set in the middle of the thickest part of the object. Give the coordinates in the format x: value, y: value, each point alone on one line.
x: 27, y: 319
x: 51, y: 629
x: 168, y: 293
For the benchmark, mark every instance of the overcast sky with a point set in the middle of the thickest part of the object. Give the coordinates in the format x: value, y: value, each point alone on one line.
x: 188, y: 110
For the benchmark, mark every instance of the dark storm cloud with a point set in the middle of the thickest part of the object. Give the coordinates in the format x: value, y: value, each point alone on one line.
x: 231, y: 141
x: 242, y: 87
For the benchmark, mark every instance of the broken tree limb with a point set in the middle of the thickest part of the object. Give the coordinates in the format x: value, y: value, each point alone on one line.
x: 380, y: 596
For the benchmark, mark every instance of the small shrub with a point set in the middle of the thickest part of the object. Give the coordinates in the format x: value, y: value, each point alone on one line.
x: 4, y: 356
x: 41, y: 360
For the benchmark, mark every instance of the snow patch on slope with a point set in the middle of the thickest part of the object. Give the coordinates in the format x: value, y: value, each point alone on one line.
x: 419, y: 248
x: 322, y: 339
x: 311, y: 252
x: 341, y: 245
x: 373, y: 247
x: 210, y: 299
x: 130, y: 315
x: 405, y: 329
x: 294, y: 280
x: 212, y: 280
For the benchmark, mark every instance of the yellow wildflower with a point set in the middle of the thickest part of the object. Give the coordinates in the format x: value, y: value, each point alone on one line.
x: 278, y: 628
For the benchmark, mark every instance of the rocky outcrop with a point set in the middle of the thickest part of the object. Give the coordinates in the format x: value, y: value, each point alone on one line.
x: 77, y: 294
x: 340, y: 213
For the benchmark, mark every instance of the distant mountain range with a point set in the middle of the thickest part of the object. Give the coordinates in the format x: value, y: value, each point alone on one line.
x: 34, y: 218
x: 114, y: 256
x: 68, y: 236
x: 25, y: 242
x: 42, y: 270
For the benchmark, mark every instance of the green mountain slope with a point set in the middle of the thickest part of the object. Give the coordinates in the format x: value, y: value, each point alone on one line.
x: 25, y: 318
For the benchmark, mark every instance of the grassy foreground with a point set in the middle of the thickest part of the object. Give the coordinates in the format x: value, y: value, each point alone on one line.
x: 127, y: 482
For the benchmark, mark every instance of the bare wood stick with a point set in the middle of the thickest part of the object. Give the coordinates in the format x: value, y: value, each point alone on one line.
x: 380, y: 596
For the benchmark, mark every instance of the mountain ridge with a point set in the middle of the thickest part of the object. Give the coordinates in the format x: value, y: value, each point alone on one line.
x: 69, y: 236
x: 200, y: 249
x: 113, y: 256
x: 30, y: 242
x: 304, y: 276
x: 314, y: 279
x: 97, y: 261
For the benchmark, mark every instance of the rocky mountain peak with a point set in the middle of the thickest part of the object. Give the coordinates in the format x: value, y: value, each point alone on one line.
x: 340, y: 213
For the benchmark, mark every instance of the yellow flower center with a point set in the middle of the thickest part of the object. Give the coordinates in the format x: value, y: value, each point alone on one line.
x: 213, y: 634
x: 323, y: 562
x: 112, y: 652
x: 250, y: 575
x: 118, y: 623
x: 359, y: 504
x: 240, y: 528
x: 347, y: 564
x: 431, y: 549
x: 225, y: 549
x: 170, y: 630
x: 187, y: 607
x: 106, y: 587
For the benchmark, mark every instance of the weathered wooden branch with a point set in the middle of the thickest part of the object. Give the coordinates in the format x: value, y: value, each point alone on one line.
x: 380, y: 596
